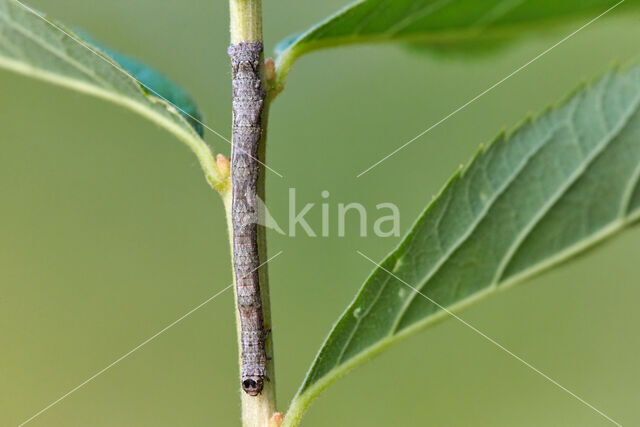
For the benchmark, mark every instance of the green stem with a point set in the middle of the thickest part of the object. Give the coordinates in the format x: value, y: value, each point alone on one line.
x: 257, y: 411
x: 245, y: 20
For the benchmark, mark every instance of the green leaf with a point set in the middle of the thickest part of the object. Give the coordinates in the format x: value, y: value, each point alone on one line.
x: 557, y: 185
x: 153, y: 79
x: 36, y: 46
x: 438, y: 24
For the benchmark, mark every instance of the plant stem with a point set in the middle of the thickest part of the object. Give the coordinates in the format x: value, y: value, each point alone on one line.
x: 245, y: 20
x: 257, y: 411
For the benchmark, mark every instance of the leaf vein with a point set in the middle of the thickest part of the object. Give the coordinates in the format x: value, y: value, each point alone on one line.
x: 526, y: 231
x: 58, y: 53
x: 472, y: 227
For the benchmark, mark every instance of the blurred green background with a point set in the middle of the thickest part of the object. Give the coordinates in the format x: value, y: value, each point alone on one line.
x: 108, y: 233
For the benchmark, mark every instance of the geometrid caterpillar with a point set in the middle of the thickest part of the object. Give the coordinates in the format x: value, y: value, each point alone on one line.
x: 248, y: 101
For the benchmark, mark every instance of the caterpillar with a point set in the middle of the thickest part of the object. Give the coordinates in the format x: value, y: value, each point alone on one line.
x: 248, y: 102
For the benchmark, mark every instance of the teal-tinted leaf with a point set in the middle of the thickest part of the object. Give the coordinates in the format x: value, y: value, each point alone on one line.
x: 151, y: 78
x: 36, y: 46
x: 437, y: 23
x: 557, y: 185
x: 285, y: 43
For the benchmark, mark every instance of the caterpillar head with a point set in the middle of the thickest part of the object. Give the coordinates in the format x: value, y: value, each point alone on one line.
x: 252, y: 385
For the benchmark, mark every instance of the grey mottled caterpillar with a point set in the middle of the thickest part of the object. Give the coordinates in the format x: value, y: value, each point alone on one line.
x: 248, y: 100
